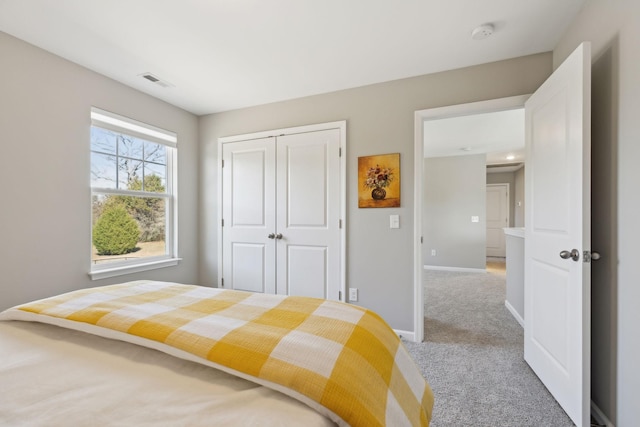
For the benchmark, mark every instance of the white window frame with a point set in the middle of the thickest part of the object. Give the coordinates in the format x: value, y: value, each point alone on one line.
x: 111, y: 121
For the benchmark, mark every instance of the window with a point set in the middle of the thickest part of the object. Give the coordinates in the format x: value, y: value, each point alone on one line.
x: 132, y: 196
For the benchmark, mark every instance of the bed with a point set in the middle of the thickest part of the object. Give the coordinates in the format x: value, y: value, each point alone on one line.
x: 159, y: 353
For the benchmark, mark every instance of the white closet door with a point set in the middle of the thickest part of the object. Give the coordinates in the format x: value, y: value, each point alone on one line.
x: 308, y: 195
x: 249, y: 210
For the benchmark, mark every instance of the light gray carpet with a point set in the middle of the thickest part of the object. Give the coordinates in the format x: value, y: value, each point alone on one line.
x: 473, y: 356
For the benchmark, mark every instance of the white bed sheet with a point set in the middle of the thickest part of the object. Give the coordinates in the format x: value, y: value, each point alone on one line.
x: 50, y: 376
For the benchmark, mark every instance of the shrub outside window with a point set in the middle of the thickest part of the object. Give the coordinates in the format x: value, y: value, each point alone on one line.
x: 132, y: 195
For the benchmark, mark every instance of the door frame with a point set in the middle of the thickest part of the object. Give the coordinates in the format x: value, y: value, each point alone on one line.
x: 493, y: 105
x: 342, y: 126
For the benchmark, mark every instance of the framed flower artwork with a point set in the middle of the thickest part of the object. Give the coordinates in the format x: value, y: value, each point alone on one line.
x: 379, y: 181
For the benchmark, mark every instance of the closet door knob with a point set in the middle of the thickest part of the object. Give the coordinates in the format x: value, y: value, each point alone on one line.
x: 574, y: 254
x: 279, y: 236
x: 271, y: 236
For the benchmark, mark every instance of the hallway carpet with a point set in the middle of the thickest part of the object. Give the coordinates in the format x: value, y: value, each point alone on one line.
x: 473, y: 356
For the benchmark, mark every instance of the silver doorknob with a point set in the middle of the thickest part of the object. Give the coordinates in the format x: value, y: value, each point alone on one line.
x: 595, y: 255
x: 574, y: 254
x: 271, y: 236
x: 279, y: 236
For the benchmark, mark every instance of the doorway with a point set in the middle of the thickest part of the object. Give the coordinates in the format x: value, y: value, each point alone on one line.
x: 558, y: 139
x: 476, y: 108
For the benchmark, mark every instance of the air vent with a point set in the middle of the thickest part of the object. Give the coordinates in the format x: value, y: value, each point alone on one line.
x: 156, y: 80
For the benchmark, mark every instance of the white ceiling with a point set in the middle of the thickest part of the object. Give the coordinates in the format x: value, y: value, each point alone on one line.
x: 498, y: 135
x: 227, y: 54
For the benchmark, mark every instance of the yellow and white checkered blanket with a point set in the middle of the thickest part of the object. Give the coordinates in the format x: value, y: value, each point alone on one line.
x: 340, y: 359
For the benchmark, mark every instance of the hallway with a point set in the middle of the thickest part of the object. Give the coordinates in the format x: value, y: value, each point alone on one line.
x: 473, y: 355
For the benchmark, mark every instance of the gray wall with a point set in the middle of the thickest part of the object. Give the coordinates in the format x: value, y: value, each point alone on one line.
x: 506, y: 178
x: 613, y: 27
x: 380, y: 119
x: 45, y: 212
x: 454, y: 191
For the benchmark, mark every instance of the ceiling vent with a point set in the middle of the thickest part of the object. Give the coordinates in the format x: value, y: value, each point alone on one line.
x: 156, y: 80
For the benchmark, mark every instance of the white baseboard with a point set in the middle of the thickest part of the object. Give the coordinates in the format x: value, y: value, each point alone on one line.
x: 600, y: 417
x: 461, y: 269
x: 408, y: 335
x: 514, y: 313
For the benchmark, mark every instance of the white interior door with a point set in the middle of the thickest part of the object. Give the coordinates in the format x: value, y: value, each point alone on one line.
x: 308, y: 220
x: 557, y: 290
x: 497, y: 218
x: 249, y: 215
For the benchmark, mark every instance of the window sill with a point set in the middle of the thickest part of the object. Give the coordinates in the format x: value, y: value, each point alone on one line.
x: 104, y: 273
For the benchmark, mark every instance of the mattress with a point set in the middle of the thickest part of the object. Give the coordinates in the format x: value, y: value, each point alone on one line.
x: 50, y: 376
x: 161, y: 353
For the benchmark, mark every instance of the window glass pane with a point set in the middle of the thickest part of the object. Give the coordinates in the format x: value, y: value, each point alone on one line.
x: 155, y: 178
x: 103, y: 170
x: 156, y: 153
x: 127, y: 228
x: 129, y: 146
x: 129, y: 174
x: 103, y: 141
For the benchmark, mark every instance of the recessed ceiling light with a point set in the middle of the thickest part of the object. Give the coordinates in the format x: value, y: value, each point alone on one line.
x: 511, y: 157
x: 482, y: 32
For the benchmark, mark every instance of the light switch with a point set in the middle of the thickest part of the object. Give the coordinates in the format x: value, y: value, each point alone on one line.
x: 394, y: 221
x: 475, y: 219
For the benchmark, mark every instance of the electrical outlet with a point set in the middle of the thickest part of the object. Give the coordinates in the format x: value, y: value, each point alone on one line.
x: 353, y: 294
x: 433, y: 252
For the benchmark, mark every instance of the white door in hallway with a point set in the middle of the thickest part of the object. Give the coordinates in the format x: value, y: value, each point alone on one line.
x: 282, y: 204
x: 497, y: 218
x: 557, y: 234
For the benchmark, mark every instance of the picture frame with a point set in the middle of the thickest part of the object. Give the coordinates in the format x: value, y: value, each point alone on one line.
x: 379, y: 181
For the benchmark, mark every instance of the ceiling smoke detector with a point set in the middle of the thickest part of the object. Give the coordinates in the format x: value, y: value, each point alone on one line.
x: 482, y: 32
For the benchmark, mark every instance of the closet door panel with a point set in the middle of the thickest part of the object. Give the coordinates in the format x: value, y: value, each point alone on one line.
x: 306, y: 192
x: 248, y: 204
x: 248, y: 279
x: 248, y: 212
x: 308, y: 205
x: 307, y: 271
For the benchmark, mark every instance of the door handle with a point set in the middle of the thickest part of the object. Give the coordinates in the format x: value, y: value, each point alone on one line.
x: 590, y: 256
x: 271, y: 236
x: 279, y: 236
x: 574, y: 254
